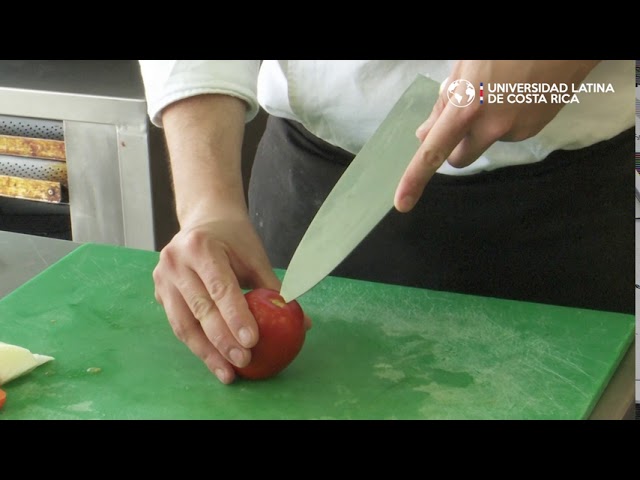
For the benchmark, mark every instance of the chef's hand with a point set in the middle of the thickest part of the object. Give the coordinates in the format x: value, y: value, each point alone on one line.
x: 217, y: 253
x: 460, y: 135
x: 199, y: 281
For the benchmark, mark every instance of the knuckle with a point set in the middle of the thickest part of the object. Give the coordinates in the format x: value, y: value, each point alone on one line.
x: 179, y: 330
x: 212, y: 360
x: 200, y: 306
x: 158, y: 297
x: 215, y: 363
x: 194, y: 239
x: 218, y: 341
x: 431, y: 157
x: 167, y: 258
x: 157, y: 275
x: 218, y: 289
x: 232, y: 313
x: 434, y: 157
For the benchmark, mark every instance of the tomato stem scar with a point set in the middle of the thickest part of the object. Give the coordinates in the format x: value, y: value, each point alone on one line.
x: 277, y: 302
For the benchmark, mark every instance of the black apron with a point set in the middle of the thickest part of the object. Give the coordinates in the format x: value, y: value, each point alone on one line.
x: 560, y: 231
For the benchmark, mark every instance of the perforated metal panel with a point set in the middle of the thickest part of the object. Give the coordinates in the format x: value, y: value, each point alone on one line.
x: 33, y: 168
x: 31, y: 127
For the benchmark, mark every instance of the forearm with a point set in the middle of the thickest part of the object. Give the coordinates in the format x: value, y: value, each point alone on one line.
x: 204, y: 137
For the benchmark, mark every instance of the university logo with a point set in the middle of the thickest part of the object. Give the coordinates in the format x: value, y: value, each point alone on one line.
x: 461, y: 93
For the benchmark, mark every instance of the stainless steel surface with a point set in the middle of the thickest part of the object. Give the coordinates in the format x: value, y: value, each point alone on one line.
x: 24, y: 256
x: 106, y: 78
x: 135, y: 185
x: 109, y: 185
x: 94, y: 183
x: 102, y: 107
x: 79, y: 108
x: 364, y: 194
x: 103, y: 91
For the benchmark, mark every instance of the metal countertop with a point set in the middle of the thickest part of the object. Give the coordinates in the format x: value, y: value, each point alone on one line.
x: 101, y: 91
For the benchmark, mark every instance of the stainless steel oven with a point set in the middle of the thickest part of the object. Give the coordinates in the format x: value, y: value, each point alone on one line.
x: 112, y: 180
x: 33, y: 178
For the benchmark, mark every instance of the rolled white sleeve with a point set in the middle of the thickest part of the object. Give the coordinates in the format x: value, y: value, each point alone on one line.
x: 167, y: 81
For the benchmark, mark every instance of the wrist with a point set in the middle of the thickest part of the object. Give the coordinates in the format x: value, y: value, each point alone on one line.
x: 210, y: 209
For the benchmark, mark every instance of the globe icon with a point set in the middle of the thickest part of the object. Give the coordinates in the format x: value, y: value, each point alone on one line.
x: 461, y: 93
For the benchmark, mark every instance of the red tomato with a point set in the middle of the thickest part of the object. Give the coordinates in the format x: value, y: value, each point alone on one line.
x: 282, y: 334
x: 3, y: 397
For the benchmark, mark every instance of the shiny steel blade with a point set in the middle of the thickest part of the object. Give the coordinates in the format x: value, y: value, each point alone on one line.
x: 364, y: 193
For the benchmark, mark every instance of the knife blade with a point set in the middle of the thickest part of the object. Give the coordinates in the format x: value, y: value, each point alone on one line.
x: 364, y: 193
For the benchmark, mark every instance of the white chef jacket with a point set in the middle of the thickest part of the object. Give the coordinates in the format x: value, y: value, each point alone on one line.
x: 344, y: 101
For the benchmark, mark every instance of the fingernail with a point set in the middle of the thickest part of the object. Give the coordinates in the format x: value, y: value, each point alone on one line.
x: 245, y: 336
x: 237, y: 357
x: 221, y: 374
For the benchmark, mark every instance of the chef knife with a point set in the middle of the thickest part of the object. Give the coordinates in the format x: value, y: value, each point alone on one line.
x: 364, y: 193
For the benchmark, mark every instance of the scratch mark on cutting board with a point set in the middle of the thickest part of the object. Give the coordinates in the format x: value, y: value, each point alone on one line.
x: 93, y: 260
x: 87, y: 279
x: 540, y: 367
x: 81, y: 407
x: 566, y: 361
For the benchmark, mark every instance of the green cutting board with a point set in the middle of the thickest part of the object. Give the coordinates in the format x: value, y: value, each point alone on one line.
x: 375, y: 352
